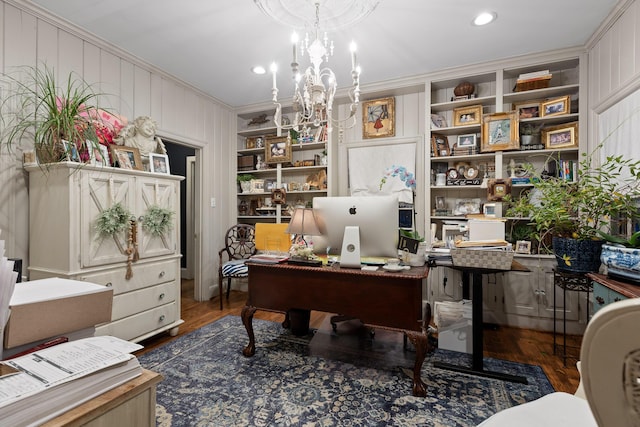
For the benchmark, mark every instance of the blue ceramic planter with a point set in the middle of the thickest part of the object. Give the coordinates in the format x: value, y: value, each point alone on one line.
x: 577, y: 256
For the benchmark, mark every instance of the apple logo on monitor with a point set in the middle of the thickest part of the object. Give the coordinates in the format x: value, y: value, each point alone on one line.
x: 352, y: 210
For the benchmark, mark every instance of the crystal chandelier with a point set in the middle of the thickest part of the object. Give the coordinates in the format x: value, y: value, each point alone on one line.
x: 315, y: 88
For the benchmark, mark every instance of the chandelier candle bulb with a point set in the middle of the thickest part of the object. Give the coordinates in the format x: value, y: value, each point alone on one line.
x: 294, y: 40
x: 274, y: 68
x: 353, y: 47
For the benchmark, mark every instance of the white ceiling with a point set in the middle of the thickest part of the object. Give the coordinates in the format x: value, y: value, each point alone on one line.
x: 212, y: 44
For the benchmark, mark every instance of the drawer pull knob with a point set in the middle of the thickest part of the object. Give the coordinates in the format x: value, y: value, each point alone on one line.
x: 109, y: 284
x: 161, y: 296
x: 162, y: 273
x: 600, y: 300
x: 162, y: 318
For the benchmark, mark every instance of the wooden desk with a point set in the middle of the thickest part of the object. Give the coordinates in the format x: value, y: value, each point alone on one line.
x: 377, y: 298
x: 131, y: 404
x: 477, y: 333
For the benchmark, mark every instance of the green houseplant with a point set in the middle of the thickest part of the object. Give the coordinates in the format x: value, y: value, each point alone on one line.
x: 245, y: 182
x: 46, y: 113
x: 579, y: 213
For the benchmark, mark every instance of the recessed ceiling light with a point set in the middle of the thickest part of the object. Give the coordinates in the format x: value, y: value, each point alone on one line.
x: 259, y: 69
x: 485, y: 18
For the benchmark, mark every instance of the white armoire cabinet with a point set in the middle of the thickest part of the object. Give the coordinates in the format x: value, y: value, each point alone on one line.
x: 65, y: 200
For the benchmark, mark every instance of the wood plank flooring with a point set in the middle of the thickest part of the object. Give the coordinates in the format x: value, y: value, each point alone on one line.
x: 501, y: 342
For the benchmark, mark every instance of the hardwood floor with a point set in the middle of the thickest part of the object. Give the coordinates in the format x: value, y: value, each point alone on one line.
x: 502, y: 342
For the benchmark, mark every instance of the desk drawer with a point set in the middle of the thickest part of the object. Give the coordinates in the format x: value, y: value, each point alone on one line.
x: 144, y: 275
x: 143, y: 299
x: 142, y: 323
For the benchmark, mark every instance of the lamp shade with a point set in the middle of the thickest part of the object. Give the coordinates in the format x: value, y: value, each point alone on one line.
x: 303, y: 222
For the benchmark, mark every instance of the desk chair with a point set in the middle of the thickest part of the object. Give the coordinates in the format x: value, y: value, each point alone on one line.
x: 610, y: 378
x: 239, y: 245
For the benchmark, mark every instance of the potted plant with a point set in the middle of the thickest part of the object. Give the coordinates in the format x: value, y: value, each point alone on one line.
x: 245, y: 182
x: 59, y: 119
x: 529, y: 134
x: 570, y: 217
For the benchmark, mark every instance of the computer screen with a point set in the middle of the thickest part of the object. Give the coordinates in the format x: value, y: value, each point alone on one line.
x: 376, y: 217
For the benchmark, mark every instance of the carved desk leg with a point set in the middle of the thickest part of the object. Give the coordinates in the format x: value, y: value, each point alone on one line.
x: 419, y: 340
x: 247, y: 320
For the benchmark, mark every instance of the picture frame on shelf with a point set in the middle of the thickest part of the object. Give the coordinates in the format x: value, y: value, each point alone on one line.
x: 560, y: 136
x: 279, y: 196
x: 251, y: 142
x: 466, y: 206
x: 465, y: 116
x: 438, y: 121
x: 158, y: 163
x: 556, y: 106
x: 440, y: 145
x: 127, y: 157
x: 523, y: 247
x: 500, y: 132
x: 269, y: 184
x: 257, y: 186
x: 378, y: 118
x: 489, y: 210
x: 469, y: 140
x: 527, y: 110
x: 498, y: 188
x: 440, y: 203
x: 277, y: 150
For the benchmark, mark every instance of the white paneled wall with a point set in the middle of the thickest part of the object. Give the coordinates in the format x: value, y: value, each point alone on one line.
x: 614, y: 57
x: 30, y: 36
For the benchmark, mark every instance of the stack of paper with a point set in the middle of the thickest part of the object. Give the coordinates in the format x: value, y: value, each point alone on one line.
x: 40, y: 386
x: 8, y: 279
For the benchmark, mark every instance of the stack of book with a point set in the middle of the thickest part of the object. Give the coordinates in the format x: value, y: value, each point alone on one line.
x: 41, y: 385
x: 534, y: 80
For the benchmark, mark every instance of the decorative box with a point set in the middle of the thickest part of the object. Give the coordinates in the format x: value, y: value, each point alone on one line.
x: 482, y: 258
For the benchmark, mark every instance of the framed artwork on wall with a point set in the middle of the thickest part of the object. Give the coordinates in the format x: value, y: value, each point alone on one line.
x: 378, y: 118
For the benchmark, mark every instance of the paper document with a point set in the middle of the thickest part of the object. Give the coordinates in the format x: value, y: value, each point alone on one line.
x: 62, y: 363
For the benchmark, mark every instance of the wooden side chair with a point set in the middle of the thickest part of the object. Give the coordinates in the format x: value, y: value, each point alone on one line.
x: 239, y: 245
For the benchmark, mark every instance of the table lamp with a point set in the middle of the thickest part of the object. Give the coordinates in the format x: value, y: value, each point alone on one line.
x: 303, y: 222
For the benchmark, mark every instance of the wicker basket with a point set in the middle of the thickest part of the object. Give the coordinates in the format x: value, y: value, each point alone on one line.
x: 533, y: 84
x: 476, y: 258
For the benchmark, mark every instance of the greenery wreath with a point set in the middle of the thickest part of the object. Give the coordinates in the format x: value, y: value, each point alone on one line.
x: 157, y: 220
x: 113, y: 220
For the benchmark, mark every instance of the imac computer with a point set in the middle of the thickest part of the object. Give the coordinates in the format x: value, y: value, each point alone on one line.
x: 367, y: 224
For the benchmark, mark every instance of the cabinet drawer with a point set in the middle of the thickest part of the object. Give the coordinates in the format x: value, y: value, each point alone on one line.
x: 142, y: 323
x: 144, y: 275
x: 143, y: 299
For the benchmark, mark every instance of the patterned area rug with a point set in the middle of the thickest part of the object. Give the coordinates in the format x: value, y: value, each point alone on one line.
x: 292, y: 381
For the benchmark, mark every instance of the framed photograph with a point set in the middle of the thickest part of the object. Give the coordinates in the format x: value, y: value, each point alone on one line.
x: 440, y: 145
x: 467, y: 141
x: 500, y: 132
x: 126, y: 157
x: 269, y: 184
x: 465, y: 116
x: 556, y: 106
x: 523, y: 247
x: 378, y: 118
x: 158, y: 163
x: 279, y: 196
x: 497, y: 188
x: 527, y: 110
x: 489, y: 210
x: 440, y: 203
x: 257, y: 186
x: 466, y: 206
x: 560, y: 136
x: 438, y: 121
x: 277, y: 150
x: 250, y: 142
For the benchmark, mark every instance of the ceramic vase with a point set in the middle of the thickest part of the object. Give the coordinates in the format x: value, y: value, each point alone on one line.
x: 622, y: 262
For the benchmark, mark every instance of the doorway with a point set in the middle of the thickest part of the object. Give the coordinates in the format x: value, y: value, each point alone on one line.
x: 183, y: 162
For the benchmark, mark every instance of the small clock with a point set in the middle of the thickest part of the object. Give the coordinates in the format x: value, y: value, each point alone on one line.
x: 471, y: 172
x: 453, y: 174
